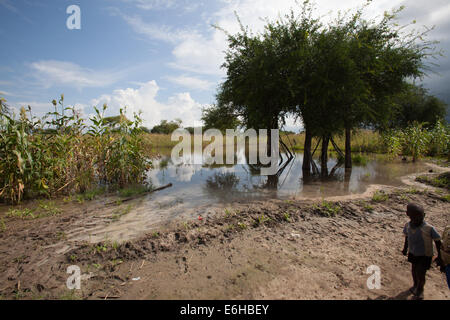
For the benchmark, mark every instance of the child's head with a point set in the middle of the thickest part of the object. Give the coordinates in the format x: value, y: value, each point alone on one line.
x: 415, y: 213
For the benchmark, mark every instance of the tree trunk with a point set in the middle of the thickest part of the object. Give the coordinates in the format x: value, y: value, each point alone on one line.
x: 348, y: 148
x: 324, y: 156
x: 306, y: 167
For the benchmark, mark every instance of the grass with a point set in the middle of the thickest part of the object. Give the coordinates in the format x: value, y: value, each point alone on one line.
x: 261, y: 220
x: 49, y: 208
x: 242, y: 225
x: 380, y: 196
x: 362, y: 141
x: 44, y: 209
x: 327, y: 209
x: 287, y: 217
x: 133, y: 190
x: 359, y: 160
x: 91, y: 194
x: 23, y: 214
x: 368, y: 206
x: 441, y: 181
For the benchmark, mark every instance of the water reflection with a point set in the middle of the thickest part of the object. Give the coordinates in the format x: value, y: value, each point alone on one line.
x: 205, y: 183
x: 201, y: 190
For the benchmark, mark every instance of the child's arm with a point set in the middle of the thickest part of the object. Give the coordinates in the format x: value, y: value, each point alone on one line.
x: 438, y: 244
x: 405, y: 247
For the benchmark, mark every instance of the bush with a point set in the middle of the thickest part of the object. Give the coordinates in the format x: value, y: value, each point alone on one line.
x: 417, y: 141
x: 54, y: 155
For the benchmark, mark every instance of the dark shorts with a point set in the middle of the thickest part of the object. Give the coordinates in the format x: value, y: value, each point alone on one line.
x: 422, y: 262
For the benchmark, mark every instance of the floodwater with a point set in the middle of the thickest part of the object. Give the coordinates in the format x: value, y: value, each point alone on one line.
x: 200, y: 190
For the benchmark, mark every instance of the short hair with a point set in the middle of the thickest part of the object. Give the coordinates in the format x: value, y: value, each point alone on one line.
x: 414, y: 209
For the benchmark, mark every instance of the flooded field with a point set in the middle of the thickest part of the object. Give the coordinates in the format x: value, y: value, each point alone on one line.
x: 203, y: 190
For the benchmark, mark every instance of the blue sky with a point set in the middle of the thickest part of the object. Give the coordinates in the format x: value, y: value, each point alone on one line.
x: 161, y: 57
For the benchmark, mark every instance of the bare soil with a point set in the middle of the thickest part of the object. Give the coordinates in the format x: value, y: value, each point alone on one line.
x: 295, y: 249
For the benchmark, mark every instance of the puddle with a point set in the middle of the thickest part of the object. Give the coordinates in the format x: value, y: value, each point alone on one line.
x: 201, y: 190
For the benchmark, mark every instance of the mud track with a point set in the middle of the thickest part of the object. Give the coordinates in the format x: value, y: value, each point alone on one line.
x: 296, y: 249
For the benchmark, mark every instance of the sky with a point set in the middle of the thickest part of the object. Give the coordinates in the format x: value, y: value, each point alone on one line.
x: 162, y: 57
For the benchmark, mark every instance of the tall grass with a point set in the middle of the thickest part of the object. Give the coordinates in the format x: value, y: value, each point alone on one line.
x: 362, y: 141
x: 417, y: 141
x: 60, y: 154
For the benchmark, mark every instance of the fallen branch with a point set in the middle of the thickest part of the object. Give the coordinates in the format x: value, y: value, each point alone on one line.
x: 140, y: 195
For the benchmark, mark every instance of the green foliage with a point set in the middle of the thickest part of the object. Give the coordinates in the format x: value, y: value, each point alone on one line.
x: 21, y: 213
x: 133, y: 190
x: 441, y: 181
x: 359, y: 160
x: 380, y: 196
x: 54, y: 155
x: 287, y: 217
x: 219, y: 117
x: 327, y: 209
x: 166, y: 127
x: 334, y: 77
x: 261, y: 220
x: 417, y: 141
x: 415, y: 104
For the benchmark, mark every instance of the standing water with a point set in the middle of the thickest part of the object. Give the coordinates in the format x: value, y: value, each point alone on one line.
x: 201, y: 190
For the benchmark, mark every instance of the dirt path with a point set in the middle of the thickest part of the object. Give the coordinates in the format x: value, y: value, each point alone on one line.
x: 261, y: 250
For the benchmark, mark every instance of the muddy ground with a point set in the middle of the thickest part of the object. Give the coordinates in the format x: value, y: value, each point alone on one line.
x: 293, y: 249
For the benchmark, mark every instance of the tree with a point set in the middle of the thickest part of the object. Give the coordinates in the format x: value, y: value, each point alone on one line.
x: 220, y: 117
x: 166, y: 127
x: 414, y: 104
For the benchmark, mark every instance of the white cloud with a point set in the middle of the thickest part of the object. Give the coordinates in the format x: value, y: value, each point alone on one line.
x: 179, y: 5
x: 154, y: 31
x: 202, y: 52
x: 191, y: 82
x: 144, y: 99
x: 51, y: 72
x: 153, y: 4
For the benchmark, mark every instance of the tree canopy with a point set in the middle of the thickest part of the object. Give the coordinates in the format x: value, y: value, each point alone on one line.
x: 335, y: 77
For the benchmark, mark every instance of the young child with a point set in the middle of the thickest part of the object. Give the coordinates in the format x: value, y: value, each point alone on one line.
x: 419, y: 237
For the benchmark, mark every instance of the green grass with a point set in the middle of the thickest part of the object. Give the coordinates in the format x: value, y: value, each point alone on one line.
x: 362, y: 141
x: 368, y: 206
x: 261, y: 220
x: 359, y: 160
x: 242, y: 225
x: 380, y: 196
x: 327, y: 209
x: 23, y: 214
x: 287, y: 217
x: 441, y: 181
x: 133, y: 191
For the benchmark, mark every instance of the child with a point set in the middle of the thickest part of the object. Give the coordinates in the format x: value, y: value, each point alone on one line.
x: 419, y: 237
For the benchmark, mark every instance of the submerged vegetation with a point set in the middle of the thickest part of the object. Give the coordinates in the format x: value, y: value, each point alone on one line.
x: 60, y: 154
